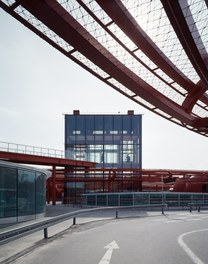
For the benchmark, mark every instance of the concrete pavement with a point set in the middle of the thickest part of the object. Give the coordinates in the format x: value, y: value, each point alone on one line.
x: 17, y: 248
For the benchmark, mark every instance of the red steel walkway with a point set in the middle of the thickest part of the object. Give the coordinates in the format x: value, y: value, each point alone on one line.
x: 41, y: 156
x: 102, y: 179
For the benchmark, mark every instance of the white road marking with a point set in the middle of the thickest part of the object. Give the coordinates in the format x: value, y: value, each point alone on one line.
x: 194, y: 219
x: 107, y: 257
x: 171, y: 221
x: 182, y: 217
x: 188, y: 251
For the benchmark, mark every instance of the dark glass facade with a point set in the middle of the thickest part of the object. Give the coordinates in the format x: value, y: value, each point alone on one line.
x: 112, y: 141
x: 22, y: 193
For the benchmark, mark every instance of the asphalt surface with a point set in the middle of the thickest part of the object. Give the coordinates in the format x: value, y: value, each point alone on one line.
x: 136, y: 237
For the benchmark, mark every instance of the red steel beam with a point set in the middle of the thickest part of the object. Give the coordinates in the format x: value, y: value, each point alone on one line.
x: 52, y: 14
x: 179, y: 24
x: 153, y: 172
x: 42, y: 160
x: 120, y: 15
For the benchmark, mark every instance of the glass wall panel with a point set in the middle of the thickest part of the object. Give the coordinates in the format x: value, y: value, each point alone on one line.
x: 26, y: 192
x: 69, y: 129
x: 89, y: 127
x: 89, y: 121
x: 108, y: 124
x: 198, y: 198
x: 98, y: 124
x: 136, y: 155
x: 127, y: 125
x: 126, y: 199
x: 185, y: 199
x: 172, y: 199
x: 112, y: 141
x: 22, y: 192
x: 117, y: 124
x: 80, y: 130
x: 101, y: 200
x: 113, y: 200
x: 156, y: 198
x: 141, y: 198
x: 91, y: 200
x: 136, y: 125
x: 8, y: 192
x: 40, y: 192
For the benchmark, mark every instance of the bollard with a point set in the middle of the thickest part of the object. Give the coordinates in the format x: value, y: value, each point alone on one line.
x: 162, y: 210
x: 190, y: 209
x: 45, y: 230
x: 116, y: 213
x: 74, y: 220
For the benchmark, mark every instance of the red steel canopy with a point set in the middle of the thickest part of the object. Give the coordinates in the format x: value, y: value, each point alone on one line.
x: 153, y: 52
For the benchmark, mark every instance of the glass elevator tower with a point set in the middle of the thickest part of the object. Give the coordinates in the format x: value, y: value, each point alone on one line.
x: 112, y: 141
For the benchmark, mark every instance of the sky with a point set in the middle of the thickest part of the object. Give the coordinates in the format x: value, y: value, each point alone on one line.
x: 38, y: 85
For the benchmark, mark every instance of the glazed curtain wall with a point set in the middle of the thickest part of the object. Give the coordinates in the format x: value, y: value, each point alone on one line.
x: 112, y: 141
x: 144, y: 198
x: 22, y: 192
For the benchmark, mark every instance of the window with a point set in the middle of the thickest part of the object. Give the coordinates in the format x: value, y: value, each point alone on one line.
x: 8, y: 192
x: 26, y: 192
x: 98, y: 132
x: 75, y: 132
x: 114, y: 132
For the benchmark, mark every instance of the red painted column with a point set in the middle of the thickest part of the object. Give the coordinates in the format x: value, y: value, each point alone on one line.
x: 54, y: 185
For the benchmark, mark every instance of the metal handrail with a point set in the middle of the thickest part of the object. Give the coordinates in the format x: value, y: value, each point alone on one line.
x: 18, y: 232
x: 31, y: 150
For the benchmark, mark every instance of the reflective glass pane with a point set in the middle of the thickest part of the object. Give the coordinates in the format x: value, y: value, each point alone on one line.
x: 80, y: 130
x: 155, y: 198
x: 113, y: 200
x: 108, y: 124
x: 126, y: 199
x: 101, y: 200
x: 91, y: 200
x: 141, y: 198
x: 172, y: 199
x: 185, y: 199
x: 69, y: 129
x: 136, y: 125
x: 98, y: 123
x: 40, y: 192
x: 127, y: 124
x: 117, y: 125
x: 26, y: 192
x: 8, y: 192
x: 80, y: 124
x: 89, y: 125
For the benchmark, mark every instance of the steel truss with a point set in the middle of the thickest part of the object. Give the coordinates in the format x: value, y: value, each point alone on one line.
x: 153, y: 52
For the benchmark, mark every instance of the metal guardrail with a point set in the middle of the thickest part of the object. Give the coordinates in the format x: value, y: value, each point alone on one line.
x: 15, y: 233
x: 31, y: 150
x: 37, y: 151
